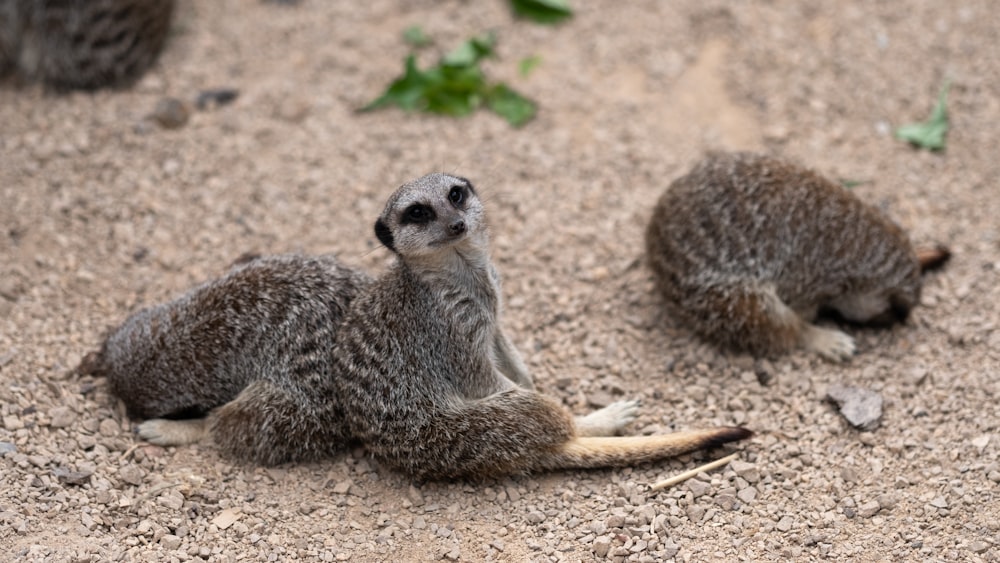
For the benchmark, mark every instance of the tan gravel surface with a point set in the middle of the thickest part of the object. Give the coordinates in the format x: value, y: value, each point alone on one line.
x: 103, y: 212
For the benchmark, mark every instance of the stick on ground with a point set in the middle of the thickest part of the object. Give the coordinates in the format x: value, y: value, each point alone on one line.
x: 689, y: 474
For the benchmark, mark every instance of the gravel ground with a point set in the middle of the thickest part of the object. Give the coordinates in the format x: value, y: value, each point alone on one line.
x: 103, y: 212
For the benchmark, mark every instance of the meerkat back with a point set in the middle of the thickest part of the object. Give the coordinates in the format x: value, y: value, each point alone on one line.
x: 83, y: 44
x: 746, y: 249
x: 187, y: 356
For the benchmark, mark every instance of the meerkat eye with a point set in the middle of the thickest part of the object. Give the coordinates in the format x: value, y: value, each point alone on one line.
x: 456, y: 195
x: 418, y: 213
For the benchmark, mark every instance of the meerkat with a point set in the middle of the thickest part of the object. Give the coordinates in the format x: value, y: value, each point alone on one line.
x: 746, y: 249
x: 82, y: 44
x: 417, y: 368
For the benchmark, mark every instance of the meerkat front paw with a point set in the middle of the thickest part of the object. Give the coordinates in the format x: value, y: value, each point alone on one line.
x: 830, y: 343
x: 164, y: 432
x: 607, y: 421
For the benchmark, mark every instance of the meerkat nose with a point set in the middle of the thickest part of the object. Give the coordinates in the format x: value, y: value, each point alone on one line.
x: 457, y: 228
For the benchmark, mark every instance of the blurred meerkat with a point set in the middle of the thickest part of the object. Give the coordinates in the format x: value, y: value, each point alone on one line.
x: 417, y: 368
x: 747, y: 249
x: 82, y: 44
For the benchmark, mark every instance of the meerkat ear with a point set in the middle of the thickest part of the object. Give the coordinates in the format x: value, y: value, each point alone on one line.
x: 384, y: 234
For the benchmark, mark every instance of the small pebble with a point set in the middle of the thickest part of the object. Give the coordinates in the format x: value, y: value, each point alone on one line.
x: 869, y: 509
x: 131, y: 474
x: 61, y: 417
x: 862, y: 408
x: 747, y: 471
x: 978, y: 546
x: 170, y: 113
x: 109, y: 427
x: 13, y: 422
x: 211, y: 99
x: 601, y: 546
x: 69, y: 477
x: 697, y: 488
x: 170, y: 542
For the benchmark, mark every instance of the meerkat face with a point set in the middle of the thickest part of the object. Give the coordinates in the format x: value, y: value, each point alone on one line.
x: 430, y: 214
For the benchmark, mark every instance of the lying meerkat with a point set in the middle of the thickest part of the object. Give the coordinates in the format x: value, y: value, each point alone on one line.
x: 293, y: 358
x: 85, y: 44
x: 747, y: 249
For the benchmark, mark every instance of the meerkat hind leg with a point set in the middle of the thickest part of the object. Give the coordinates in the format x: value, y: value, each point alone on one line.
x: 607, y: 421
x: 163, y: 432
x: 746, y: 315
x: 782, y: 321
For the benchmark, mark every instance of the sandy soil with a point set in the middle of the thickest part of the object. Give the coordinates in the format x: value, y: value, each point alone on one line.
x: 102, y: 214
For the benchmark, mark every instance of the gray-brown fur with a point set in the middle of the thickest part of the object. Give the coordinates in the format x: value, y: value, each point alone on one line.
x: 82, y: 44
x: 417, y: 369
x: 747, y: 249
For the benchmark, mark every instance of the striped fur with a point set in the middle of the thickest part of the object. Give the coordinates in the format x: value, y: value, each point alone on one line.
x: 296, y: 358
x: 747, y: 249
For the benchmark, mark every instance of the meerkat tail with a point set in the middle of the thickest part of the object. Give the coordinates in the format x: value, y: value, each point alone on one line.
x: 591, y: 452
x: 932, y: 258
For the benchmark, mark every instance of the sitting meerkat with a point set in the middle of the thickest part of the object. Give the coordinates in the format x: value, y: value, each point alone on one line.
x: 292, y: 358
x: 747, y: 249
x: 82, y: 44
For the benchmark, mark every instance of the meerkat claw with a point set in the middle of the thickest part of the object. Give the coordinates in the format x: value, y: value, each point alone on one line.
x: 164, y: 432
x: 609, y: 420
x: 832, y: 344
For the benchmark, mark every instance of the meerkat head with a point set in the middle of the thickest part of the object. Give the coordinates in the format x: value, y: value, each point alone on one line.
x: 431, y: 214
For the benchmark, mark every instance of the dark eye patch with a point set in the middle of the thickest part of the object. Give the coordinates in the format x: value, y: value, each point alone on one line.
x: 418, y: 213
x: 468, y: 184
x: 457, y: 195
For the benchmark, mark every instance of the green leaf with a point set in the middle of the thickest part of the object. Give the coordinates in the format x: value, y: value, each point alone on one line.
x: 415, y: 36
x: 406, y: 92
x: 528, y: 64
x: 542, y: 11
x: 471, y: 52
x: 929, y: 134
x: 510, y: 105
x: 455, y: 86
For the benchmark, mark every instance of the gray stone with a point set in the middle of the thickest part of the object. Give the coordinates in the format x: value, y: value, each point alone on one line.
x: 869, y: 509
x: 747, y: 471
x: 861, y: 407
x: 978, y: 546
x: 601, y: 546
x: 535, y: 517
x: 170, y: 113
x: 69, y: 477
x: 131, y: 474
x: 109, y: 427
x: 697, y: 488
x: 695, y: 513
x: 61, y: 417
x: 170, y: 542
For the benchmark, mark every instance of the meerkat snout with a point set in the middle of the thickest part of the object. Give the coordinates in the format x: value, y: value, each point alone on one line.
x: 457, y: 227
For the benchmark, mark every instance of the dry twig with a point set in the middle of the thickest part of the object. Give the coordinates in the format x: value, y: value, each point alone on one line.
x: 689, y: 474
